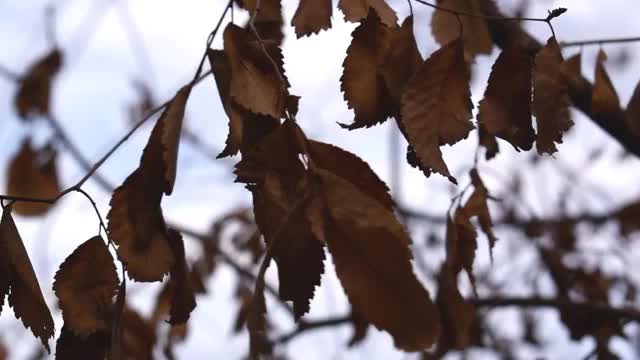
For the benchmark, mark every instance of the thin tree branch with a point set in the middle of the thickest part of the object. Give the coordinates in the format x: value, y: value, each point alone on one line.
x: 602, y: 41
x: 489, y: 303
x: 483, y: 16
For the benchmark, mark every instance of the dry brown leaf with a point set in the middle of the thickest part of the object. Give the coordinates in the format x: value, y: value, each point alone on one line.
x: 370, y: 250
x: 457, y: 314
x: 356, y: 10
x: 259, y: 343
x: 137, y: 226
x: 312, y: 16
x: 488, y: 141
x: 505, y: 111
x: 24, y: 294
x: 461, y: 244
x: 360, y: 328
x: 476, y: 205
x: 351, y: 168
x: 445, y: 27
x: 70, y: 346
x: 604, y: 98
x: 550, y: 98
x: 255, y: 83
x: 436, y: 106
x: 33, y: 173
x: 633, y: 111
x: 245, y: 128
x: 85, y: 284
x: 171, y: 122
x: 399, y: 60
x: 268, y: 21
x: 364, y: 87
x: 572, y: 71
x: 34, y: 92
x: 138, y: 336
x: 116, y: 344
x: 182, y: 294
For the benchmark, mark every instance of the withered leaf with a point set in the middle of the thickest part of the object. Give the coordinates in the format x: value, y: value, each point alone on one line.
x: 312, y: 16
x: 399, y: 60
x: 71, y: 346
x: 182, y: 294
x: 457, y: 314
x: 351, y: 168
x: 256, y: 84
x: 633, y: 111
x: 572, y: 72
x: 487, y: 140
x: 461, y: 244
x: 171, y: 127
x: 445, y: 27
x: 33, y: 173
x: 259, y: 343
x: 363, y: 86
x: 25, y: 296
x: 297, y: 252
x: 116, y: 346
x: 86, y: 284
x: 356, y: 10
x: 245, y: 128
x: 550, y: 98
x: 34, y: 92
x: 436, y: 106
x: 476, y: 205
x: 604, y: 98
x: 505, y: 111
x: 360, y: 328
x: 370, y: 249
x: 268, y: 21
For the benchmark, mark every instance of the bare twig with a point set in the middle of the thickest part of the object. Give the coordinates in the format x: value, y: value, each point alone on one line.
x: 602, y: 41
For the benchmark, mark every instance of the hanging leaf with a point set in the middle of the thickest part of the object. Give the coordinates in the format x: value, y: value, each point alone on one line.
x: 356, y: 10
x: 85, y: 284
x: 505, y: 110
x: 457, y: 314
x: 311, y: 17
x: 487, y: 140
x: 259, y: 343
x: 170, y: 128
x: 71, y: 346
x: 550, y: 98
x: 399, y: 60
x: 268, y: 20
x: 182, y: 294
x: 445, y: 27
x: 633, y: 111
x: 370, y: 249
x: 364, y: 87
x: 34, y: 91
x: 256, y: 84
x: 604, y: 98
x: 116, y: 346
x: 461, y: 244
x: 33, y: 173
x: 20, y: 283
x: 476, y: 205
x: 572, y: 71
x: 360, y: 328
x: 245, y: 128
x: 436, y: 106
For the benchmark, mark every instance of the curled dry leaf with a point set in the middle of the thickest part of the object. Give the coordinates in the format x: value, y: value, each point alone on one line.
x: 19, y: 282
x: 487, y: 140
x: 268, y: 20
x: 461, y: 244
x: 633, y: 111
x: 258, y: 83
x: 550, y: 98
x: 34, y: 92
x: 182, y: 294
x: 505, y: 111
x: 356, y: 10
x: 604, y: 98
x: 246, y: 129
x: 71, y: 346
x: 476, y: 205
x: 370, y: 249
x: 33, y: 173
x: 170, y: 124
x: 457, y: 314
x: 363, y: 86
x: 311, y: 17
x: 445, y: 27
x: 85, y: 284
x: 436, y: 106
